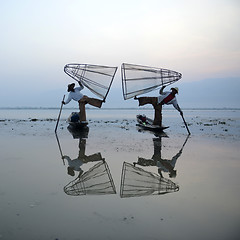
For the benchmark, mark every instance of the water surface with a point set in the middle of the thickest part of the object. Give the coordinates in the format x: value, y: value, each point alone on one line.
x: 33, y: 178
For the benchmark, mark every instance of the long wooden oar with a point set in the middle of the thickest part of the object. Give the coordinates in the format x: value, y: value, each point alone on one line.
x: 60, y: 149
x: 185, y: 124
x: 59, y: 114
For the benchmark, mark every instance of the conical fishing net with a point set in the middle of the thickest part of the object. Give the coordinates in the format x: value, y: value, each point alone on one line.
x: 96, y: 181
x: 137, y: 80
x: 98, y: 79
x: 137, y: 182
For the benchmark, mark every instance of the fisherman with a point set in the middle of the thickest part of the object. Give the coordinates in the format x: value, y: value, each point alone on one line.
x: 75, y: 164
x: 158, y: 102
x: 75, y: 94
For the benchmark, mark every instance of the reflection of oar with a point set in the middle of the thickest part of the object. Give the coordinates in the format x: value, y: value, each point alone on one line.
x: 185, y: 124
x: 59, y: 146
x: 59, y: 114
x: 185, y: 142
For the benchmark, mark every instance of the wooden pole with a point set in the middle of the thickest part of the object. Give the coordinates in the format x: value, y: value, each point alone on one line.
x: 59, y: 146
x: 185, y: 124
x: 59, y: 114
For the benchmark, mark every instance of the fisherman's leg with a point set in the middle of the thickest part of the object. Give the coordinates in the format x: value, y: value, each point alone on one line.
x: 146, y: 162
x: 146, y: 100
x: 93, y: 101
x: 157, y: 143
x: 94, y: 157
x: 157, y: 115
x: 82, y: 114
x: 82, y: 148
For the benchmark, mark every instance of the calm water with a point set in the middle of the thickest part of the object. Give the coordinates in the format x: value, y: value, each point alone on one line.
x: 40, y: 200
x: 114, y: 113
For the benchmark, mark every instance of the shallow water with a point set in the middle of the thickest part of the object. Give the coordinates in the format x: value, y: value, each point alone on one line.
x: 33, y: 176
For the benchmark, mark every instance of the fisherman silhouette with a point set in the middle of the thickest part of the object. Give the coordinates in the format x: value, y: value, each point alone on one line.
x: 96, y: 180
x: 168, y: 97
x: 163, y: 165
x: 76, y: 95
x: 136, y: 182
x: 82, y: 158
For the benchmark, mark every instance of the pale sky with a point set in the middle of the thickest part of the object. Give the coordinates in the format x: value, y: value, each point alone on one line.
x: 200, y: 39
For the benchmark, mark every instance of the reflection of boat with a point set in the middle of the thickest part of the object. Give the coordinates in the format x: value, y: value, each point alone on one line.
x: 77, y: 129
x: 96, y: 181
x: 137, y: 182
x: 78, y: 132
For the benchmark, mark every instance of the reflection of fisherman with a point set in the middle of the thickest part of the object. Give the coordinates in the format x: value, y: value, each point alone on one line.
x: 158, y: 102
x: 75, y: 94
x: 75, y: 164
x: 168, y: 165
x: 157, y: 160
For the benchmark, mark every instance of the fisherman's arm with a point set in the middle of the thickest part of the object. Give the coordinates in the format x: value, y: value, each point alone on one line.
x: 65, y: 157
x: 175, y: 104
x: 78, y: 89
x: 68, y: 100
x: 174, y: 158
x: 81, y: 87
x: 80, y: 84
x: 161, y: 90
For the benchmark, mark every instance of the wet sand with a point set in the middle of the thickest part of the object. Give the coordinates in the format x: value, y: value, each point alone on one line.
x: 37, y: 202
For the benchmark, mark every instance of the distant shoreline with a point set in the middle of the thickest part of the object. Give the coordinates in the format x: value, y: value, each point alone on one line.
x: 148, y: 108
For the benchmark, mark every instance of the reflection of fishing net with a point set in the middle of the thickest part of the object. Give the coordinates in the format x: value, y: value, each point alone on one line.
x: 138, y: 79
x: 138, y: 182
x: 96, y: 181
x: 98, y: 79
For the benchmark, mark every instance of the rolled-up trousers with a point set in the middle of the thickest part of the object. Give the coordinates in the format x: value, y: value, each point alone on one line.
x: 86, y: 100
x: 157, y: 108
